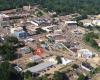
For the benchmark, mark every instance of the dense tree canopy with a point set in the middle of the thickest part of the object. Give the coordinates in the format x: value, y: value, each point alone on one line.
x: 12, y: 39
x: 60, y: 76
x: 7, y: 72
x: 58, y: 58
x: 81, y: 77
x: 28, y: 75
x: 71, y: 6
x: 7, y: 51
x: 60, y: 6
x: 90, y: 38
x: 40, y: 31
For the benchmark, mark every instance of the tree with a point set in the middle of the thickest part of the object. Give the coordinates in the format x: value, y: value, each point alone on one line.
x: 12, y: 39
x: 60, y: 76
x: 27, y: 75
x: 40, y: 31
x: 97, y: 70
x: 7, y: 72
x: 31, y: 64
x: 39, y: 14
x: 80, y: 24
x: 42, y: 78
x: 62, y: 7
x: 58, y: 58
x: 75, y: 66
x: 90, y: 39
x: 81, y: 77
x: 7, y: 51
x: 83, y: 16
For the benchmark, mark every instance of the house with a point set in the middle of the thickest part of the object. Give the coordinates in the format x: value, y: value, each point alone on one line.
x: 86, y: 66
x: 65, y: 61
x: 4, y: 20
x: 71, y: 23
x: 24, y: 50
x: 96, y: 22
x: 85, y: 53
x: 1, y: 58
x: 18, y: 32
x: 87, y: 24
x: 35, y: 58
x: 27, y: 8
x: 49, y: 28
x: 53, y: 60
x: 38, y: 22
x: 59, y: 38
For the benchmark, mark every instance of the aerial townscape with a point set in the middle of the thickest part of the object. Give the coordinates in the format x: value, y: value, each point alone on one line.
x: 49, y: 39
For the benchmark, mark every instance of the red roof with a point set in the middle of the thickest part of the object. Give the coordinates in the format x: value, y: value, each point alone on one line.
x: 39, y: 51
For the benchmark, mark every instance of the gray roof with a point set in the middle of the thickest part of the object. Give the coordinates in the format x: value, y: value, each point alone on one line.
x: 39, y: 67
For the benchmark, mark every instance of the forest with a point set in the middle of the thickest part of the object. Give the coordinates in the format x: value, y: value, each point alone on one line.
x: 60, y: 6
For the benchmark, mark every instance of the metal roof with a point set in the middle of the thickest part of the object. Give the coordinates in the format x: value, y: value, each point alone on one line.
x: 39, y: 67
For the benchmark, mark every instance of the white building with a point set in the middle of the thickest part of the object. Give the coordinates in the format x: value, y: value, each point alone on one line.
x: 27, y: 8
x: 52, y: 60
x: 34, y: 23
x: 85, y: 53
x: 87, y: 24
x: 71, y: 22
x: 65, y: 61
x: 40, y: 67
x: 96, y: 22
x: 35, y: 58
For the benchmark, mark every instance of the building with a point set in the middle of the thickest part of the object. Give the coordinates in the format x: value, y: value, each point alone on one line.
x: 35, y: 58
x: 96, y: 22
x: 38, y: 22
x: 86, y: 66
x: 59, y: 38
x: 4, y: 20
x: 71, y: 23
x: 50, y: 28
x: 24, y: 50
x: 53, y: 60
x: 87, y: 24
x: 18, y: 32
x: 27, y: 8
x: 40, y: 67
x: 85, y: 53
x: 65, y: 61
x: 39, y: 51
